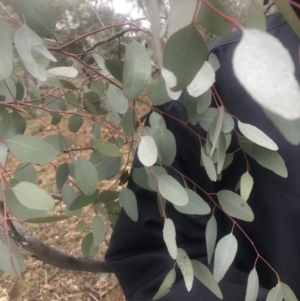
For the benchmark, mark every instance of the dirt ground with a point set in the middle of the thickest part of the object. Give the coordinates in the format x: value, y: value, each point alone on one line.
x: 42, y: 282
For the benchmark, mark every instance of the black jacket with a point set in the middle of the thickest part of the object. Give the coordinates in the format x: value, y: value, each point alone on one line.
x: 137, y: 252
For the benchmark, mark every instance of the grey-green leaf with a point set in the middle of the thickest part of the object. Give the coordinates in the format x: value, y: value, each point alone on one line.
x: 6, y: 52
x: 184, y: 55
x: 59, y: 142
x: 115, y: 67
x: 156, y: 121
x: 235, y: 206
x: 186, y: 268
x: 287, y: 293
x: 246, y: 185
x: 75, y: 123
x: 275, y: 294
x: 32, y: 196
x: 169, y: 235
x: 116, y: 99
x: 87, y: 246
x: 129, y: 203
x: 137, y: 70
x: 107, y: 148
x: 196, y: 204
x: 166, y: 285
x: 209, y: 166
x: 172, y: 190
x: 256, y: 17
x: 252, y: 286
x: 86, y: 175
x: 25, y: 172
x: 211, y: 237
x: 98, y: 230
x: 224, y: 255
x: 203, y: 274
x: 205, y: 119
x: 70, y: 72
x: 83, y: 200
x: 158, y: 92
x: 31, y: 149
x: 147, y: 151
x: 62, y: 174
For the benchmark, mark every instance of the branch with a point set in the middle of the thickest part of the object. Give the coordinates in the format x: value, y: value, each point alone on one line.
x: 51, y: 256
x: 108, y: 39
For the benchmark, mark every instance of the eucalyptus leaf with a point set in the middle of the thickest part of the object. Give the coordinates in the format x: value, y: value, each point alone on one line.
x: 140, y: 177
x: 6, y: 52
x: 75, y: 123
x: 157, y: 121
x: 98, y: 230
x: 275, y: 294
x: 25, y: 172
x: 59, y: 142
x: 204, y: 101
x: 246, y: 185
x: 209, y: 166
x: 169, y: 81
x: 48, y: 219
x: 83, y: 200
x: 158, y: 92
x: 129, y: 203
x: 108, y: 167
x: 117, y: 100
x: 256, y: 17
x: 115, y: 67
x: 252, y: 286
x: 147, y: 151
x: 211, y: 237
x: 107, y: 148
x: 68, y: 196
x: 166, y: 285
x: 205, y: 119
x: 186, y: 268
x: 3, y: 153
x: 62, y: 174
x: 87, y: 246
x: 169, y: 235
x: 70, y: 72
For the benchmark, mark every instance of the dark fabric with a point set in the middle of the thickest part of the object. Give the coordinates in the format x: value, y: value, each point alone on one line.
x: 137, y: 252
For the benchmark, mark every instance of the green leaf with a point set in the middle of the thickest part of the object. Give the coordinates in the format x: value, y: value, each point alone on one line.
x: 203, y: 102
x: 67, y: 85
x: 20, y: 211
x: 224, y: 255
x: 257, y: 136
x: 203, y: 274
x: 59, y: 142
x: 184, y: 55
x: 31, y: 149
x: 209, y: 166
x: 6, y: 52
x: 140, y: 177
x: 25, y: 172
x: 129, y: 203
x: 275, y: 294
x: 246, y: 185
x: 289, y: 15
x: 235, y: 206
x: 89, y: 107
x: 128, y: 122
x: 69, y: 195
x: 137, y: 70
x: 211, y: 237
x: 169, y: 235
x: 98, y: 230
x: 253, y: 65
x: 87, y: 246
x: 156, y: 121
x: 25, y: 39
x: 205, y: 119
x: 172, y: 190
x: 108, y: 167
x: 70, y: 72
x: 75, y: 123
x: 86, y: 175
x: 116, y: 99
x: 166, y: 145
x: 215, y: 129
x: 96, y: 130
x: 221, y: 152
x: 48, y: 219
x: 166, y: 285
x: 108, y: 196
x: 287, y: 293
x: 72, y: 100
x: 62, y: 174
x: 252, y: 286
x: 266, y: 158
x: 32, y: 196
x: 115, y: 67
x: 256, y: 17
x: 40, y: 15
x: 81, y: 226
x: 158, y: 92
x: 186, y: 268
x: 202, y: 81
x: 156, y: 171
x: 83, y: 200
x: 12, y: 124
x: 212, y: 22
x: 196, y: 204
x: 107, y: 148
x: 147, y: 151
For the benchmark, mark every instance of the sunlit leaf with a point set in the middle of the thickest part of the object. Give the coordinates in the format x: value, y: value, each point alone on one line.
x: 137, y: 70
x: 31, y: 149
x: 224, y: 255
x: 168, y: 82
x: 196, y: 204
x: 172, y: 190
x: 107, y: 148
x: 86, y: 175
x: 212, y: 22
x: 147, y: 151
x: 202, y: 81
x: 184, y: 55
x: 98, y: 230
x: 166, y: 285
x: 169, y: 235
x: 186, y: 268
x: 32, y: 196
x: 129, y: 203
x: 260, y: 62
x: 70, y: 72
x: 256, y: 17
x: 6, y: 52
x: 246, y: 185
x: 252, y: 286
x: 203, y: 274
x: 211, y: 237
